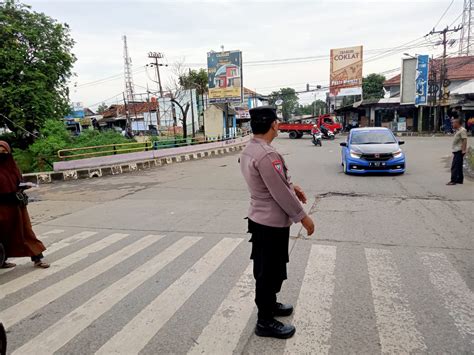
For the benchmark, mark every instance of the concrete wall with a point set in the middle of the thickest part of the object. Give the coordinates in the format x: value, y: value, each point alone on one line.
x: 214, y: 122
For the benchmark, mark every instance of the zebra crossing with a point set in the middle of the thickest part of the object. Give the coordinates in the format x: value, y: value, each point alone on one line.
x: 95, y: 276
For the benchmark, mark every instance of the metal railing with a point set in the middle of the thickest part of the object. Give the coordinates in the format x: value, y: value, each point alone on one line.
x: 123, y: 148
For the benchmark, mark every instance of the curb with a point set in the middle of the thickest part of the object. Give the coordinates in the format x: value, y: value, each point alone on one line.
x: 49, y: 177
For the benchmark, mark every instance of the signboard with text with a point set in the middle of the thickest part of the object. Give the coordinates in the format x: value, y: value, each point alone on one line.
x: 421, y: 79
x: 225, y: 77
x: 346, y: 71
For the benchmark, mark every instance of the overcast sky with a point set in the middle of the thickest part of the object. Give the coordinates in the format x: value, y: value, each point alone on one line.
x: 264, y: 30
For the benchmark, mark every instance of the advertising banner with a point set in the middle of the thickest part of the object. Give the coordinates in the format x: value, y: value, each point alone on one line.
x: 421, y: 93
x: 346, y: 71
x: 225, y: 77
x: 407, y: 81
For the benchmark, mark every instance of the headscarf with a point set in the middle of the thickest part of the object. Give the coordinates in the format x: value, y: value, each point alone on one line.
x: 10, y: 176
x: 6, y: 146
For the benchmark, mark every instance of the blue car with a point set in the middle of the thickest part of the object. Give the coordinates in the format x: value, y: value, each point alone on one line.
x: 372, y: 150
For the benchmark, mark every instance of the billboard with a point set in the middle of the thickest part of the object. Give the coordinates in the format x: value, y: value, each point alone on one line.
x: 407, y: 82
x: 77, y: 110
x: 421, y: 80
x: 346, y: 71
x: 225, y: 76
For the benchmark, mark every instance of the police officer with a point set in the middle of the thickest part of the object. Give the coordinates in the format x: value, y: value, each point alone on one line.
x: 275, y: 203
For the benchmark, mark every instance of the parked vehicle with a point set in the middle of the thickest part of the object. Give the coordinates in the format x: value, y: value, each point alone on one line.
x: 297, y: 129
x: 372, y: 149
x: 317, y: 136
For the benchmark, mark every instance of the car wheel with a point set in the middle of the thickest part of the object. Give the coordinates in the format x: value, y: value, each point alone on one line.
x: 300, y: 135
x: 344, y: 168
x: 293, y: 135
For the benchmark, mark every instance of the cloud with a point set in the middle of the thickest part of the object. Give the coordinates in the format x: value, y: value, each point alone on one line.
x: 263, y: 30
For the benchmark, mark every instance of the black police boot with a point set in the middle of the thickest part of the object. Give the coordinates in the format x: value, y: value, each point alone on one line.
x: 282, y: 310
x: 274, y: 329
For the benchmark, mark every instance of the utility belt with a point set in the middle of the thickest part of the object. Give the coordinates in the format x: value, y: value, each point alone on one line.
x: 14, y: 198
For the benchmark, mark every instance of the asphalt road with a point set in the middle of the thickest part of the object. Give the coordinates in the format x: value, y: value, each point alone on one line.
x: 158, y: 261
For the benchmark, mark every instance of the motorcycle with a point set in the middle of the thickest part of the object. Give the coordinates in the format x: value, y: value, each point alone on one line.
x: 327, y: 133
x: 317, y: 137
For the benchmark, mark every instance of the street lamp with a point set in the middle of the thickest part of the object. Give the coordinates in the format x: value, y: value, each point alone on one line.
x: 411, y: 56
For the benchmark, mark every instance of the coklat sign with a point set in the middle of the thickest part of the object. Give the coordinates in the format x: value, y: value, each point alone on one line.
x: 346, y: 71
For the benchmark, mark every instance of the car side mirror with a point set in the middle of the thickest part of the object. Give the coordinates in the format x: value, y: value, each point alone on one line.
x: 401, y: 142
x: 343, y: 144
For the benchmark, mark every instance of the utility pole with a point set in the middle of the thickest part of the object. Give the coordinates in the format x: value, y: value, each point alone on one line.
x: 156, y: 56
x: 192, y: 104
x: 443, y: 75
x: 128, y: 124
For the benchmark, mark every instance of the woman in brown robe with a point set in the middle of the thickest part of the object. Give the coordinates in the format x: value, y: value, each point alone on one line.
x: 16, y: 233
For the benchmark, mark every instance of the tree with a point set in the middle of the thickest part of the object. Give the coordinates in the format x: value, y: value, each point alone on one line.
x: 102, y: 108
x: 35, y: 66
x: 289, y: 98
x: 195, y: 79
x: 315, y: 108
x: 372, y: 86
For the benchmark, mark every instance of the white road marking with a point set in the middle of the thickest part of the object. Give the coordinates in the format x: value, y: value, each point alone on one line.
x: 457, y: 297
x: 51, y: 249
x: 313, y: 311
x: 222, y: 333
x: 395, y: 321
x: 54, y: 231
x: 60, y: 333
x: 23, y: 309
x: 39, y: 274
x: 141, y: 329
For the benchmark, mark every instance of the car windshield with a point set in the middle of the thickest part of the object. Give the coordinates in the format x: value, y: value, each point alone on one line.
x: 372, y: 137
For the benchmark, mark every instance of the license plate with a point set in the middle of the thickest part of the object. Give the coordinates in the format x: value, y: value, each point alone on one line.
x: 378, y: 163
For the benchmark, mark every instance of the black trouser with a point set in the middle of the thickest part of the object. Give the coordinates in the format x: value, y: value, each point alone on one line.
x: 457, y: 174
x: 270, y: 256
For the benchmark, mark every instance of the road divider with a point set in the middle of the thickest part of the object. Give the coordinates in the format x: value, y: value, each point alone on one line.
x: 128, y: 163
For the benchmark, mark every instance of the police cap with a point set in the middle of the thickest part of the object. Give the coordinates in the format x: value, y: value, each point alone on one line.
x: 263, y: 114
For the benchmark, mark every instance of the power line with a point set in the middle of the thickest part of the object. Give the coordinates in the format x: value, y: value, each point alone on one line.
x: 444, y: 13
x: 103, y: 101
x: 109, y: 78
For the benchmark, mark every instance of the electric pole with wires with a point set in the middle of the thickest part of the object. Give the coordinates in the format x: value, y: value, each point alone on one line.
x: 443, y: 95
x: 157, y: 65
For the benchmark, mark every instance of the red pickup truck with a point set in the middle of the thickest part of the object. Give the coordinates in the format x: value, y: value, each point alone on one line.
x: 297, y: 129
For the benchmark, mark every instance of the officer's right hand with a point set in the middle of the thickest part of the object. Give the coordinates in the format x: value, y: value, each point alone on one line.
x: 308, y: 224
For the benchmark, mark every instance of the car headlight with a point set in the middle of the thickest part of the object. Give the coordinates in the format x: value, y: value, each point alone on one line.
x: 355, y: 154
x: 397, y: 154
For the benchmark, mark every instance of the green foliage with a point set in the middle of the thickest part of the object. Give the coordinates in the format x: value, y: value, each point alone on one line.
x: 24, y: 159
x: 53, y: 137
x: 290, y: 101
x: 314, y: 108
x: 90, y: 138
x: 195, y: 79
x: 372, y: 86
x: 102, y: 108
x: 35, y: 66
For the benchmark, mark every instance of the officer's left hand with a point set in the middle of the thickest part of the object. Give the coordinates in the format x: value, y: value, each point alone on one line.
x: 300, y: 194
